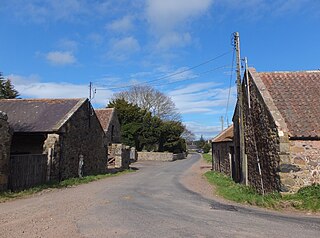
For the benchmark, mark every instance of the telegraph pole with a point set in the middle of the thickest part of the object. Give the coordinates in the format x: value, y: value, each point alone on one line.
x: 222, y: 123
x: 243, y: 159
x: 90, y: 91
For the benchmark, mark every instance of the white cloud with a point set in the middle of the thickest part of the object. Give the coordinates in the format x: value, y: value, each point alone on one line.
x: 166, y: 15
x: 31, y: 87
x: 168, y: 20
x: 121, y: 49
x: 123, y: 24
x: 207, y: 131
x: 205, y: 98
x: 60, y: 57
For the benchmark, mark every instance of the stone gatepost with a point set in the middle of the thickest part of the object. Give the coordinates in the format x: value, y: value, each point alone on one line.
x: 5, y: 143
x: 51, y: 147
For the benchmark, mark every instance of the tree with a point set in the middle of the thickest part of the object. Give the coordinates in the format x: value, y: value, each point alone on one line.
x: 7, y: 90
x: 151, y: 100
x: 188, y: 135
x: 139, y: 128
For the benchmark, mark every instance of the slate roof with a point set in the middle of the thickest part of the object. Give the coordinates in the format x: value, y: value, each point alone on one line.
x: 224, y: 136
x: 296, y: 95
x: 104, y: 115
x: 39, y: 115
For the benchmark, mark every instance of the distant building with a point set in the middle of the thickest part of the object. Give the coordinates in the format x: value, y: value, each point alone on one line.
x: 282, y: 130
x: 223, y: 152
x: 110, y: 123
x: 65, y: 131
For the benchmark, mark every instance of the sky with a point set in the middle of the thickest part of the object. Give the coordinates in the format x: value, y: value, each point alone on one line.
x: 183, y: 48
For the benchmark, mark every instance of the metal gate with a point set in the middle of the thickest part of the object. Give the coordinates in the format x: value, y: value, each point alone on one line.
x: 27, y: 171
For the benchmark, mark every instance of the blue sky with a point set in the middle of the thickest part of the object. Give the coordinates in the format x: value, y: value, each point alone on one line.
x: 53, y: 48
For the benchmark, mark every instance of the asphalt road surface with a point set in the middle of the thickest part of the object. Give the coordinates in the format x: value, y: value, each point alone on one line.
x: 152, y: 202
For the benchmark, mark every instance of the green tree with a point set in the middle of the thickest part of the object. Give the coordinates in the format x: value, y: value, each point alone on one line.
x: 7, y: 90
x: 139, y: 128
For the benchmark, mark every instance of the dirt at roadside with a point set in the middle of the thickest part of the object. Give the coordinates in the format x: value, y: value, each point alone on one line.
x: 194, y: 180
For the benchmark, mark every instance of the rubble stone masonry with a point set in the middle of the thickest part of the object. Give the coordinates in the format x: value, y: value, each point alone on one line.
x: 304, y: 166
x: 5, y: 141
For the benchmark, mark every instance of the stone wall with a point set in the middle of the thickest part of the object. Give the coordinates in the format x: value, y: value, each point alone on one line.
x: 121, y: 155
x: 5, y: 141
x: 304, y: 166
x: 159, y: 156
x: 222, y: 155
x: 261, y: 142
x: 81, y: 136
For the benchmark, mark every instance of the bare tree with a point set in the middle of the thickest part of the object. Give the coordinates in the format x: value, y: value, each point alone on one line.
x: 188, y: 135
x: 152, y: 100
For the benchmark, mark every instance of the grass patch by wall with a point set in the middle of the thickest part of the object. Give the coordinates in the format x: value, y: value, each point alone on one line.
x: 307, y: 198
x: 8, y: 195
x: 207, y: 158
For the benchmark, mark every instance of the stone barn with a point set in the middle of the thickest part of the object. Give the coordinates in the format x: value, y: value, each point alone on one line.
x: 281, y: 129
x: 110, y: 124
x: 66, y: 131
x: 223, y: 159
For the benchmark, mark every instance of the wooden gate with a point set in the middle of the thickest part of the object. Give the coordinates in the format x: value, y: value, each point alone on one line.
x: 27, y: 171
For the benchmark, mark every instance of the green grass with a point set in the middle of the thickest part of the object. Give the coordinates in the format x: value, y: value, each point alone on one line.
x: 8, y: 195
x: 307, y: 199
x: 207, y: 158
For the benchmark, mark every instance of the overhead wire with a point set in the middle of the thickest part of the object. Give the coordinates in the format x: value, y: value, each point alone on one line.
x: 167, y: 76
x: 230, y: 86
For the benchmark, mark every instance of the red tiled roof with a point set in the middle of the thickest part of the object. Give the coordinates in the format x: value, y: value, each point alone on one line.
x: 38, y: 115
x: 104, y: 115
x: 297, y: 97
x: 224, y: 136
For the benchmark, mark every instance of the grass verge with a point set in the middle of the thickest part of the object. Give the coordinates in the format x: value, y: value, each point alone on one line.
x: 307, y: 198
x: 207, y: 158
x: 8, y: 195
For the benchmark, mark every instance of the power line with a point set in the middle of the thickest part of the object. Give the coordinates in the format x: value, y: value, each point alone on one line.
x: 170, y: 75
x: 230, y: 85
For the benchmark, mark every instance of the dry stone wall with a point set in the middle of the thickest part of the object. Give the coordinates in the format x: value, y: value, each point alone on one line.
x: 5, y: 141
x: 160, y: 156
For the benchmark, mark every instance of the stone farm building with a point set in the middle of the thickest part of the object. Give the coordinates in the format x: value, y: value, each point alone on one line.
x: 281, y: 128
x: 223, y: 159
x: 64, y: 131
x: 110, y: 124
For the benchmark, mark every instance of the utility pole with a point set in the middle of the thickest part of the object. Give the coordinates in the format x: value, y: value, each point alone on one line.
x: 243, y: 158
x: 222, y: 123
x: 90, y: 91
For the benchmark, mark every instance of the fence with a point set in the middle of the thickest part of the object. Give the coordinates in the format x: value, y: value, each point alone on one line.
x: 27, y: 171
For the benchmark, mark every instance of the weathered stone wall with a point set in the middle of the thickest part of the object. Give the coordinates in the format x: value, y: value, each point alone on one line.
x: 159, y: 156
x: 5, y: 141
x: 304, y: 166
x: 221, y: 153
x: 261, y: 142
x: 121, y: 155
x: 82, y: 135
x: 113, y: 132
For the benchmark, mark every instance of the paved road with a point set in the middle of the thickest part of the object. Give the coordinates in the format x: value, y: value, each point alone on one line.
x: 149, y: 203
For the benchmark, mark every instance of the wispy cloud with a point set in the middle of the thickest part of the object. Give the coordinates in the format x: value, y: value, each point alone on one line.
x: 202, y: 98
x: 168, y: 20
x: 60, y: 58
x: 122, y: 25
x: 207, y: 131
x: 122, y: 48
